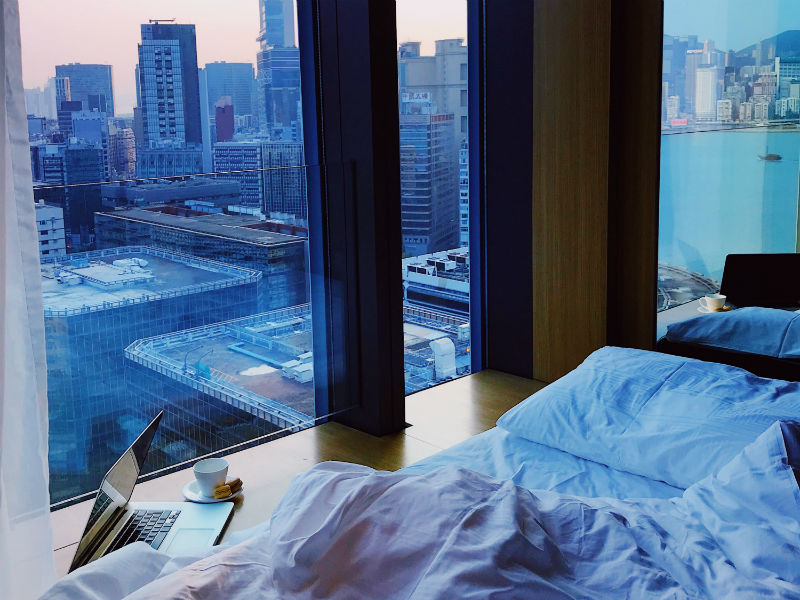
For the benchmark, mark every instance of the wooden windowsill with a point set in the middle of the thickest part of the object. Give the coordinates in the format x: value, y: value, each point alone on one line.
x: 439, y: 418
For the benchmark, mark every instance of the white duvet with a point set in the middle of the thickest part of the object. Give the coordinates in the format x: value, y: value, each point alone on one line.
x: 344, y: 531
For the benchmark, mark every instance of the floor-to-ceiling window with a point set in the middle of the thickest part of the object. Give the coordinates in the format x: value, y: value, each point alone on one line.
x: 169, y: 173
x: 730, y: 141
x: 434, y: 182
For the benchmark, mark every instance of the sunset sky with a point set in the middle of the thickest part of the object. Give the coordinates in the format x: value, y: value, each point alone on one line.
x: 107, y: 31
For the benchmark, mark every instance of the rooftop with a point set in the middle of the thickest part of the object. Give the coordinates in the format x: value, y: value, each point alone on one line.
x: 261, y: 364
x: 107, y: 279
x: 233, y: 227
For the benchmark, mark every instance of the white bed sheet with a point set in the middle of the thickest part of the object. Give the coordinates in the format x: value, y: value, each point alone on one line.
x: 503, y: 455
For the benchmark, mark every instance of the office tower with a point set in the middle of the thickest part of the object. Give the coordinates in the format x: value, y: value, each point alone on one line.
x: 36, y: 103
x: 276, y: 20
x: 443, y: 76
x: 673, y: 107
x: 123, y: 153
x: 92, y: 85
x: 279, y: 87
x: 463, y: 194
x: 236, y: 80
x: 693, y: 60
x: 746, y: 112
x: 223, y: 119
x: 169, y: 160
x: 708, y: 89
x: 428, y: 183
x: 50, y: 229
x: 66, y: 165
x: 65, y: 111
x: 37, y: 127
x: 91, y: 127
x: 94, y: 307
x: 61, y: 90
x: 167, y: 87
x: 269, y: 173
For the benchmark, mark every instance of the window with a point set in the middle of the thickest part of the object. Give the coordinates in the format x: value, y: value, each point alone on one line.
x: 730, y: 114
x: 166, y: 287
x: 434, y: 182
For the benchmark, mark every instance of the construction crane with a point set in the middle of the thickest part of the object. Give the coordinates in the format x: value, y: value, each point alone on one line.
x: 159, y: 21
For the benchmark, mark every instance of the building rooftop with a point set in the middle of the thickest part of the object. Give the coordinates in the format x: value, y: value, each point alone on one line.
x: 107, y: 279
x: 233, y: 227
x: 261, y: 364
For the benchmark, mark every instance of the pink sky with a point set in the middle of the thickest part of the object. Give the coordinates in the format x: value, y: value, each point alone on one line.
x: 107, y: 31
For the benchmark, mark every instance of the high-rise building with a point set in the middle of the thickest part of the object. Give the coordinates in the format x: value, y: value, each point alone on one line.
x: 232, y: 239
x: 269, y: 173
x: 746, y: 112
x: 50, y: 228
x: 428, y: 183
x: 236, y: 80
x: 724, y: 111
x: 279, y: 87
x: 693, y: 59
x: 91, y: 127
x: 223, y: 119
x: 708, y: 89
x: 169, y: 160
x: 276, y: 21
x: 673, y: 107
x: 36, y: 103
x: 168, y: 90
x: 123, y: 153
x: 443, y: 76
x: 463, y: 194
x: 66, y: 109
x: 66, y: 165
x: 92, y: 85
x: 94, y: 307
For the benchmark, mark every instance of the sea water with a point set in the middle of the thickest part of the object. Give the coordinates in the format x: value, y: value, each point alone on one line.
x: 718, y: 197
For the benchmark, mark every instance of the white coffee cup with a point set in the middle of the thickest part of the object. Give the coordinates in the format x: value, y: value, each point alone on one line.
x: 713, y: 302
x: 210, y: 473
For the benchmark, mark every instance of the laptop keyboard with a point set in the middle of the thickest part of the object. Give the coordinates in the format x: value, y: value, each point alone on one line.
x: 149, y: 526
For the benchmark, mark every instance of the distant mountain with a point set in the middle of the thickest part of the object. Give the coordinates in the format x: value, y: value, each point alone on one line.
x: 785, y: 45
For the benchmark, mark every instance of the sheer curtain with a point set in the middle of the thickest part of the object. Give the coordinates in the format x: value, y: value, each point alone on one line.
x: 26, y: 556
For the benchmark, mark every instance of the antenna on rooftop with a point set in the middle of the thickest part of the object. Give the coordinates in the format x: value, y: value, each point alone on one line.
x: 158, y: 21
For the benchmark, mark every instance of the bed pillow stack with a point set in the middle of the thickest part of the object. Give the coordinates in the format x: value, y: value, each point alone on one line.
x: 664, y: 417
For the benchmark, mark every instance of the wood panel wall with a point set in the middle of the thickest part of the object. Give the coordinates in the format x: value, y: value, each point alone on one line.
x: 571, y: 70
x: 595, y: 177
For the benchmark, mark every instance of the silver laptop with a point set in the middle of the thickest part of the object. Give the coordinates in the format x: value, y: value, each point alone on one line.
x: 171, y: 527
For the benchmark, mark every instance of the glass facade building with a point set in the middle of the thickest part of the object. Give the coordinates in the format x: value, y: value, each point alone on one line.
x: 96, y: 304
x: 92, y: 85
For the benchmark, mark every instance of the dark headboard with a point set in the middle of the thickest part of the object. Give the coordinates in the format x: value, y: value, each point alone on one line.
x: 770, y: 280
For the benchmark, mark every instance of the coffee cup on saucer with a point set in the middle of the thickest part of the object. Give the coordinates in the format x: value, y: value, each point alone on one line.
x: 210, y: 473
x: 713, y: 302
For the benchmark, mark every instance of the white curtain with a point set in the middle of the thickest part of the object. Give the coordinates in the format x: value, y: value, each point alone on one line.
x: 26, y: 555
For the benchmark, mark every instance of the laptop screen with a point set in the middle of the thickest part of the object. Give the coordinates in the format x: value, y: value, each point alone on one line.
x: 114, y: 493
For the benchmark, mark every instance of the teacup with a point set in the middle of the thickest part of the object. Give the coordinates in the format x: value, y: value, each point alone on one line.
x: 713, y: 302
x: 210, y: 473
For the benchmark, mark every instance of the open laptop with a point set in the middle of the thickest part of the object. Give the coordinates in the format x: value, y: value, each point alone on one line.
x: 768, y: 280
x: 171, y: 527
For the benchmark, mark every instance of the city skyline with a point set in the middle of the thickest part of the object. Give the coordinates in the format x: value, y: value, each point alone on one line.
x: 114, y: 41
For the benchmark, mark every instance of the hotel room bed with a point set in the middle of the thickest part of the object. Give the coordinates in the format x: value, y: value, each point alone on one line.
x: 625, y: 478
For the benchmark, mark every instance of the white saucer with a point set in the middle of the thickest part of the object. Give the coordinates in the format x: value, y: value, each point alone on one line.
x: 705, y: 311
x: 191, y: 491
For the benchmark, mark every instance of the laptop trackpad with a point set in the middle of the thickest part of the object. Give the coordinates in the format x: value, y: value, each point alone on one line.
x: 187, y: 541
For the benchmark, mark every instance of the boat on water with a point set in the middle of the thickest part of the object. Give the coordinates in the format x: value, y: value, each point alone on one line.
x: 770, y: 157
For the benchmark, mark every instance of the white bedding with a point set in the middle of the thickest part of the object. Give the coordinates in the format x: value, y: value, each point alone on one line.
x: 503, y: 455
x: 345, y: 531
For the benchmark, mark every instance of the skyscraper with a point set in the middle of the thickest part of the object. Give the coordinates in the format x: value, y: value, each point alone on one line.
x: 91, y: 127
x: 236, y: 80
x: 428, y: 183
x: 223, y: 118
x: 279, y: 87
x: 168, y: 91
x: 443, y: 75
x: 92, y: 85
x: 276, y: 19
x: 708, y: 90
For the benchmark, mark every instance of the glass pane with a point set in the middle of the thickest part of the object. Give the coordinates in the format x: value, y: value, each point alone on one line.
x: 730, y: 141
x: 434, y: 183
x: 170, y: 181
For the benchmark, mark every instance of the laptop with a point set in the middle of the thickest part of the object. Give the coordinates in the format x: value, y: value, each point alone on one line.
x: 171, y: 527
x: 768, y: 280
